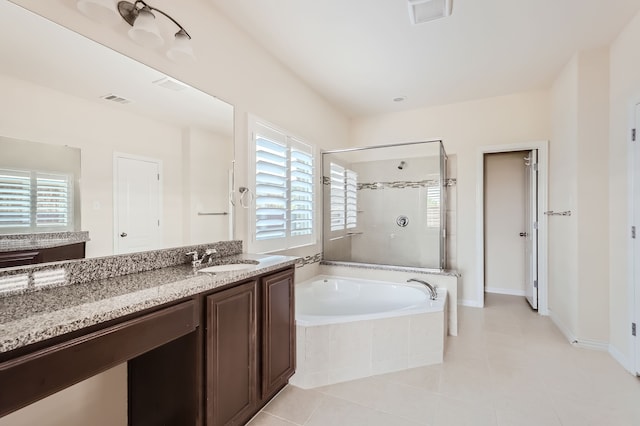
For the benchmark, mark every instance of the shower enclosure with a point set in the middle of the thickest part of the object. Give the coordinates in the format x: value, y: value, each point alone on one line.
x: 386, y: 204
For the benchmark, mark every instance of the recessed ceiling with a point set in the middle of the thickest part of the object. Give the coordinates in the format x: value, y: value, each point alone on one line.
x: 361, y: 54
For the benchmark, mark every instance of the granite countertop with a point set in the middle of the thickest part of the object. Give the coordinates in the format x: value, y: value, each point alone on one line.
x: 38, y: 241
x: 37, y: 316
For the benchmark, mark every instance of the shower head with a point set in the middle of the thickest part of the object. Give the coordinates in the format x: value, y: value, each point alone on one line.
x: 401, y: 165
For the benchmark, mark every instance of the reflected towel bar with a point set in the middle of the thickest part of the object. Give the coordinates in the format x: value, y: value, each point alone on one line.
x: 212, y: 214
x: 552, y: 213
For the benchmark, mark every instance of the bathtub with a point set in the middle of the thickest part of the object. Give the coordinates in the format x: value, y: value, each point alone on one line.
x: 350, y: 328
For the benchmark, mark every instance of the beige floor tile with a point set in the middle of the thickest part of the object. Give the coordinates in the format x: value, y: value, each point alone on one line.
x: 264, y: 419
x: 294, y: 404
x: 338, y: 412
x: 508, y: 366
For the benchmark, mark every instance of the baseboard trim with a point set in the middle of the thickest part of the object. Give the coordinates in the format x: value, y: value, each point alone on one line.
x: 562, y: 327
x: 470, y: 303
x: 507, y: 291
x: 622, y: 360
x: 596, y: 345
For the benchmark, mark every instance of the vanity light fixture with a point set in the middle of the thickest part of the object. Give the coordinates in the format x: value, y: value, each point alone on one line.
x: 144, y: 29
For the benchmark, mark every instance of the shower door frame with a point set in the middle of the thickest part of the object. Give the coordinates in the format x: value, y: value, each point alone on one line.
x: 443, y: 189
x: 543, y: 179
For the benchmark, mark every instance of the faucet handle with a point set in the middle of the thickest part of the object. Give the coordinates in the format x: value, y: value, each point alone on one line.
x: 193, y: 254
x: 211, y: 251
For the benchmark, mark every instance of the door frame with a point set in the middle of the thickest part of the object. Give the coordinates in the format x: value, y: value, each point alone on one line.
x: 543, y: 173
x: 634, y: 245
x: 116, y: 156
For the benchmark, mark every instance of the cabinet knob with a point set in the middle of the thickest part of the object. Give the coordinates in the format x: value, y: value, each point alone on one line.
x: 523, y: 234
x: 124, y: 234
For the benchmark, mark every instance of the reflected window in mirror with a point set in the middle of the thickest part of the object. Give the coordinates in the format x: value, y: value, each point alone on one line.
x: 34, y: 201
x: 39, y: 187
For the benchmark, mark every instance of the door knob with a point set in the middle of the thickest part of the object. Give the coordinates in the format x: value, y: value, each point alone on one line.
x: 124, y: 234
x: 523, y: 234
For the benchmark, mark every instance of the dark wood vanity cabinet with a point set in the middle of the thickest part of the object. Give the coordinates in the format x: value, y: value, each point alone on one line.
x: 43, y: 255
x: 250, y: 347
x: 215, y: 358
x: 231, y: 353
x: 278, y: 333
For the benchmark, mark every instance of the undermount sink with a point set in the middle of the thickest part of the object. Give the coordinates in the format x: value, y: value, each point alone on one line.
x: 227, y: 268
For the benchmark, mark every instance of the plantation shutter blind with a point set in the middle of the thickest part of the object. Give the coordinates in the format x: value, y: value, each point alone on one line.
x: 15, y: 199
x: 271, y: 189
x: 433, y: 205
x: 284, y: 192
x: 337, y: 196
x: 301, y: 192
x: 53, y: 200
x: 35, y: 201
x: 351, y: 198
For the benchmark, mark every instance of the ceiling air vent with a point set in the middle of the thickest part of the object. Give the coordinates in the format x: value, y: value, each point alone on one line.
x: 171, y: 84
x: 115, y: 98
x: 422, y: 11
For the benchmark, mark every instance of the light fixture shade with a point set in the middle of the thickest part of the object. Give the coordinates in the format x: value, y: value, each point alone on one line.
x: 103, y: 11
x: 145, y: 32
x: 181, y: 50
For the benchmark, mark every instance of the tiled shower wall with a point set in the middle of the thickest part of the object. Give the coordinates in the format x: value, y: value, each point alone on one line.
x: 387, y: 193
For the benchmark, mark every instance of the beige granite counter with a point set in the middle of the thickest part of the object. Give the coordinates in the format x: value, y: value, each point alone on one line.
x: 36, y: 316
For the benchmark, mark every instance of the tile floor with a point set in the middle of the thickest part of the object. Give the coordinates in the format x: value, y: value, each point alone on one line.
x: 508, y: 366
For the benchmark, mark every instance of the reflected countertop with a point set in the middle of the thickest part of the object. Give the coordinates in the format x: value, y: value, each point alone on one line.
x: 39, y: 241
x: 37, y: 316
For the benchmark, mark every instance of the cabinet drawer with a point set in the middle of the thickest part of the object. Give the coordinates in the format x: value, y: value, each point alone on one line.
x: 28, y: 378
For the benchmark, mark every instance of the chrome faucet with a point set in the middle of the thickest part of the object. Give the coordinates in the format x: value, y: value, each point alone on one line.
x: 208, y: 254
x: 433, y: 290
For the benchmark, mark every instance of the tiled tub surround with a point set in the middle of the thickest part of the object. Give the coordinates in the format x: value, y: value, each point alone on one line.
x: 36, y: 316
x: 34, y: 278
x: 447, y: 279
x: 16, y: 242
x: 390, y: 333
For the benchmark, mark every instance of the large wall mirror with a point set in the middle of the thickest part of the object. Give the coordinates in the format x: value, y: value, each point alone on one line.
x: 126, y: 119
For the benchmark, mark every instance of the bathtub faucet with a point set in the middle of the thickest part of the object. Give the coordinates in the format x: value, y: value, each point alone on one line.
x: 432, y: 289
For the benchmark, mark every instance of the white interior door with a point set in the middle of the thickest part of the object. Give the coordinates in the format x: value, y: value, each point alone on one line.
x: 137, y: 204
x: 531, y: 228
x: 636, y: 241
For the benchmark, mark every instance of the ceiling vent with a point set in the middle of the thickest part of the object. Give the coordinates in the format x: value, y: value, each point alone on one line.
x: 422, y: 11
x: 115, y: 98
x: 171, y: 84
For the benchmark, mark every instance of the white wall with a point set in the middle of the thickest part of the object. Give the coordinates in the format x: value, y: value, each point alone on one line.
x: 464, y: 128
x: 624, y: 94
x: 563, y: 262
x: 578, y: 265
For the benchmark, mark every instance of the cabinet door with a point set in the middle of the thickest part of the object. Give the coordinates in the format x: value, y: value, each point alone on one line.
x: 231, y: 347
x: 278, y: 332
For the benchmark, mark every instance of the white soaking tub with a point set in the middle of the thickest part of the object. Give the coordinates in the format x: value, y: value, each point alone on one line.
x: 349, y: 328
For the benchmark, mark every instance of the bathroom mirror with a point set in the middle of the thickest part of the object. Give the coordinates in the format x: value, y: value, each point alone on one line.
x: 62, y: 89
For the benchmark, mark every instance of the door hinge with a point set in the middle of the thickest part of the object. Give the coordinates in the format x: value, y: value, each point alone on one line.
x: 633, y: 232
x: 633, y: 328
x: 158, y: 222
x: 535, y: 283
x: 535, y: 167
x: 633, y: 135
x: 535, y: 225
x: 158, y: 176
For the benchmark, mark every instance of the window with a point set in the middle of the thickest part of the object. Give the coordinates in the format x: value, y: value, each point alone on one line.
x: 433, y: 204
x: 32, y: 201
x: 343, y: 193
x: 283, y: 212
